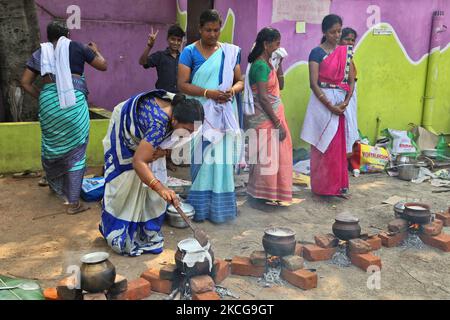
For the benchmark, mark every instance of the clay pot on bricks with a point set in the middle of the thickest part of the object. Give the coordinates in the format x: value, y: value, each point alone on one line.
x: 97, y: 272
x: 346, y: 227
x: 279, y: 241
x: 191, y: 246
x: 417, y: 213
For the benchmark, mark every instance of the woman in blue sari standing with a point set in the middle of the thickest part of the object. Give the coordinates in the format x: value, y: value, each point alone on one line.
x: 209, y: 71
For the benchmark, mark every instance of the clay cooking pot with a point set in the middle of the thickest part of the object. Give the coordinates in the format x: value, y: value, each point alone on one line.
x: 279, y: 241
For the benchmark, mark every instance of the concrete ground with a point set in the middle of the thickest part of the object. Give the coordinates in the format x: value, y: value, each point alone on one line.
x: 39, y: 241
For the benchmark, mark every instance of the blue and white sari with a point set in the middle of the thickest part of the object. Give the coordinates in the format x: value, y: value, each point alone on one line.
x: 132, y: 213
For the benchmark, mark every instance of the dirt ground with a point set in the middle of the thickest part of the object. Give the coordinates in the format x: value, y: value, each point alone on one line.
x: 39, y: 241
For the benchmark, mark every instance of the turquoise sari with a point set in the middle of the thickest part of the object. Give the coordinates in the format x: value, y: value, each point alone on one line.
x: 212, y: 192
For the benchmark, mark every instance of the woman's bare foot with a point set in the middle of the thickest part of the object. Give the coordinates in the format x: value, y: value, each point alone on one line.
x: 77, y: 208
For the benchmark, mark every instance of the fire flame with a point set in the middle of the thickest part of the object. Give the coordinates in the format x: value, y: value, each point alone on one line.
x: 414, y: 226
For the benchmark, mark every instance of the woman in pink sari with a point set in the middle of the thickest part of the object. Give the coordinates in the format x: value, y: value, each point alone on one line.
x: 331, y: 74
x: 270, y: 158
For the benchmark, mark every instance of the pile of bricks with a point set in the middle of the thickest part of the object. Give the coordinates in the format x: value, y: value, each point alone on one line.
x: 163, y: 280
x: 292, y: 268
x: 358, y: 250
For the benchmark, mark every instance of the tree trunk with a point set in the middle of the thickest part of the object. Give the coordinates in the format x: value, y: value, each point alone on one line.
x: 19, y: 37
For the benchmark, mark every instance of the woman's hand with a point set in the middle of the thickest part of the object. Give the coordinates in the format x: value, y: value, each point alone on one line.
x: 167, y: 194
x: 218, y: 96
x: 337, y: 109
x: 282, y: 132
x: 159, y: 153
x: 93, y: 47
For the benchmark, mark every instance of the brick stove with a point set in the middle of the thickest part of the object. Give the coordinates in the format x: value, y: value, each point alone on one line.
x: 430, y: 233
x: 291, y: 268
x: 358, y: 250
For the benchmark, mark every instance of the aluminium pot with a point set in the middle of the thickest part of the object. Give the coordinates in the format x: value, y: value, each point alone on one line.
x: 346, y: 227
x: 175, y: 220
x: 408, y: 171
x: 279, y: 241
x: 200, y: 267
x: 97, y: 272
x: 416, y: 212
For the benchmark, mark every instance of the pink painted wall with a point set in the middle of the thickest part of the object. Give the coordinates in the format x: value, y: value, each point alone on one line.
x: 412, y: 28
x: 120, y: 29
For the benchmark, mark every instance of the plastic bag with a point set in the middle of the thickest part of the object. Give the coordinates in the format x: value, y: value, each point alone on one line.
x: 401, y: 142
x: 93, y: 189
x: 369, y: 159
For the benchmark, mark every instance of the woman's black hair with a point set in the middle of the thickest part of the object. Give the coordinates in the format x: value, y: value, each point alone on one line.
x: 328, y: 22
x: 347, y: 31
x: 265, y: 35
x: 55, y: 30
x: 175, y: 31
x: 187, y: 110
x: 210, y: 16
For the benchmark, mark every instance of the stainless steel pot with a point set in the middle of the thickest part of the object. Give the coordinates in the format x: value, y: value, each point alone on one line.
x: 175, y: 220
x: 97, y: 272
x: 408, y: 171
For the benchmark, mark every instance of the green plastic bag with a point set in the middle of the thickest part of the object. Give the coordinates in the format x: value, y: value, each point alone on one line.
x: 18, y: 294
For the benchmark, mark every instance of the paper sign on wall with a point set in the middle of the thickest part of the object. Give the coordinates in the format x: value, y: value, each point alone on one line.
x: 300, y: 27
x: 300, y: 10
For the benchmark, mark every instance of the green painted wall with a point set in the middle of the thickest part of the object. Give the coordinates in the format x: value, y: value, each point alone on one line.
x: 441, y: 113
x: 20, y: 145
x: 390, y: 89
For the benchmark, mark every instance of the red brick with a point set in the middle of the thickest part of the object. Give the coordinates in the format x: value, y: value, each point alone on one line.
x: 375, y: 242
x: 137, y: 289
x: 120, y: 285
x: 302, y: 278
x: 258, y: 258
x: 392, y: 240
x: 359, y: 246
x: 242, y: 266
x: 365, y: 260
x: 168, y: 272
x: 202, y: 284
x: 94, y: 296
x: 298, y: 249
x: 222, y: 270
x: 445, y: 217
x: 67, y: 289
x: 433, y: 228
x: 50, y: 294
x: 441, y: 241
x: 398, y: 225
x: 326, y: 240
x: 312, y: 252
x: 210, y: 295
x: 158, y: 285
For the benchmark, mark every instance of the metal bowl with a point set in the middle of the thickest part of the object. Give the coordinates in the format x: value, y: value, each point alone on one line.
x: 430, y: 153
x: 175, y: 220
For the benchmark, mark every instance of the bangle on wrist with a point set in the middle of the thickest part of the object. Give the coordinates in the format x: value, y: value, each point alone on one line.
x: 234, y: 92
x: 204, y: 93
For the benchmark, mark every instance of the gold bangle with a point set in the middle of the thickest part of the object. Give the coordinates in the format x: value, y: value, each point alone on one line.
x: 321, y: 95
x: 204, y: 93
x: 234, y: 92
x: 153, y: 186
